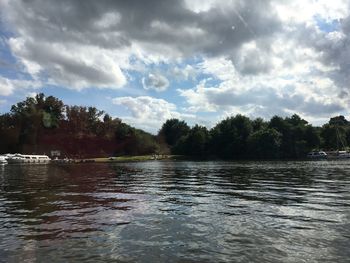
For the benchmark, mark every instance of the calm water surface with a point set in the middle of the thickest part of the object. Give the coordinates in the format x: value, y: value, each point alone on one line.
x: 176, y: 212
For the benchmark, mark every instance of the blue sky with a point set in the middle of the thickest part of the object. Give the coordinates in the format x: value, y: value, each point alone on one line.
x: 200, y: 61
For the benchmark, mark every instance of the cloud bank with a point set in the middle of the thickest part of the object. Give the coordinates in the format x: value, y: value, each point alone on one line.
x: 254, y: 57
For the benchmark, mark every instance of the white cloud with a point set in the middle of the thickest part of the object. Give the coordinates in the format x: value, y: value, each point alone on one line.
x: 257, y: 57
x: 73, y: 66
x: 264, y: 95
x: 220, y: 67
x: 187, y: 72
x: 6, y: 87
x: 9, y: 86
x: 145, y: 107
x: 147, y: 112
x: 81, y: 46
x: 199, y: 6
x: 155, y: 82
x: 32, y: 94
x: 301, y: 11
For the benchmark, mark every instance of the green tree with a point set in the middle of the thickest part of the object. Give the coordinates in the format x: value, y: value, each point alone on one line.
x: 9, y: 133
x: 140, y: 143
x: 172, y: 130
x: 48, y: 110
x: 35, y: 114
x: 265, y: 144
x: 229, y: 137
x: 338, y: 121
x: 53, y: 108
x: 123, y: 131
x: 294, y: 131
x: 334, y: 136
x: 84, y: 121
x: 312, y: 137
x: 195, y: 143
x: 259, y: 124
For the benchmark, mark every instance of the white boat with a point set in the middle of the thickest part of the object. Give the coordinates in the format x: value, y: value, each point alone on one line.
x: 339, y: 155
x: 317, y: 155
x: 3, y: 159
x: 26, y: 158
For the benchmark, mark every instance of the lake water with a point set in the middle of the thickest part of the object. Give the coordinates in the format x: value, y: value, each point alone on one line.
x: 176, y: 212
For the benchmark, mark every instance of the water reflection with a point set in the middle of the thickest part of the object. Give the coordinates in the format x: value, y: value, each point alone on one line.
x: 176, y: 211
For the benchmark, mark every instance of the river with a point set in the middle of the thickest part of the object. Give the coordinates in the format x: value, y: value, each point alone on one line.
x: 167, y: 211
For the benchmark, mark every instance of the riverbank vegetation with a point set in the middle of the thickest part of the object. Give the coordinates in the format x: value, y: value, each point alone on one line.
x: 239, y: 137
x: 41, y: 124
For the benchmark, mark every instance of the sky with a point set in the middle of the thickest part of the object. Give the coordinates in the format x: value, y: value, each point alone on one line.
x: 196, y: 60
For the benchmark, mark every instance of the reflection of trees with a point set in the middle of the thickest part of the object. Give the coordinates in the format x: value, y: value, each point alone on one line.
x: 22, y: 184
x: 50, y: 199
x: 266, y: 182
x: 270, y: 182
x: 2, y: 171
x: 206, y: 203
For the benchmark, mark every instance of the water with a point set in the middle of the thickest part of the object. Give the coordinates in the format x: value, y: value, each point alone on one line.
x: 176, y: 212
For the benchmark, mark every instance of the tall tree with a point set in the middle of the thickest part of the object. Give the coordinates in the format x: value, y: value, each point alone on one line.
x: 195, y: 143
x: 34, y: 114
x: 172, y: 130
x: 264, y: 144
x: 229, y: 137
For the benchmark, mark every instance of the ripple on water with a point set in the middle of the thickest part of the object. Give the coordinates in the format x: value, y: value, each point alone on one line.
x: 176, y: 212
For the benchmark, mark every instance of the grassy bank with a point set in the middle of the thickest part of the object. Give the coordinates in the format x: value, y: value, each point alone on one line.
x: 133, y: 158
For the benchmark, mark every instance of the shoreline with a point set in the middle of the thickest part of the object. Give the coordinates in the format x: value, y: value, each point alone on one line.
x: 137, y: 158
x: 141, y: 158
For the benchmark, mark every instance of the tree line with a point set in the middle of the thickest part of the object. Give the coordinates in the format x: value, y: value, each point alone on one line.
x: 239, y: 137
x: 40, y: 124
